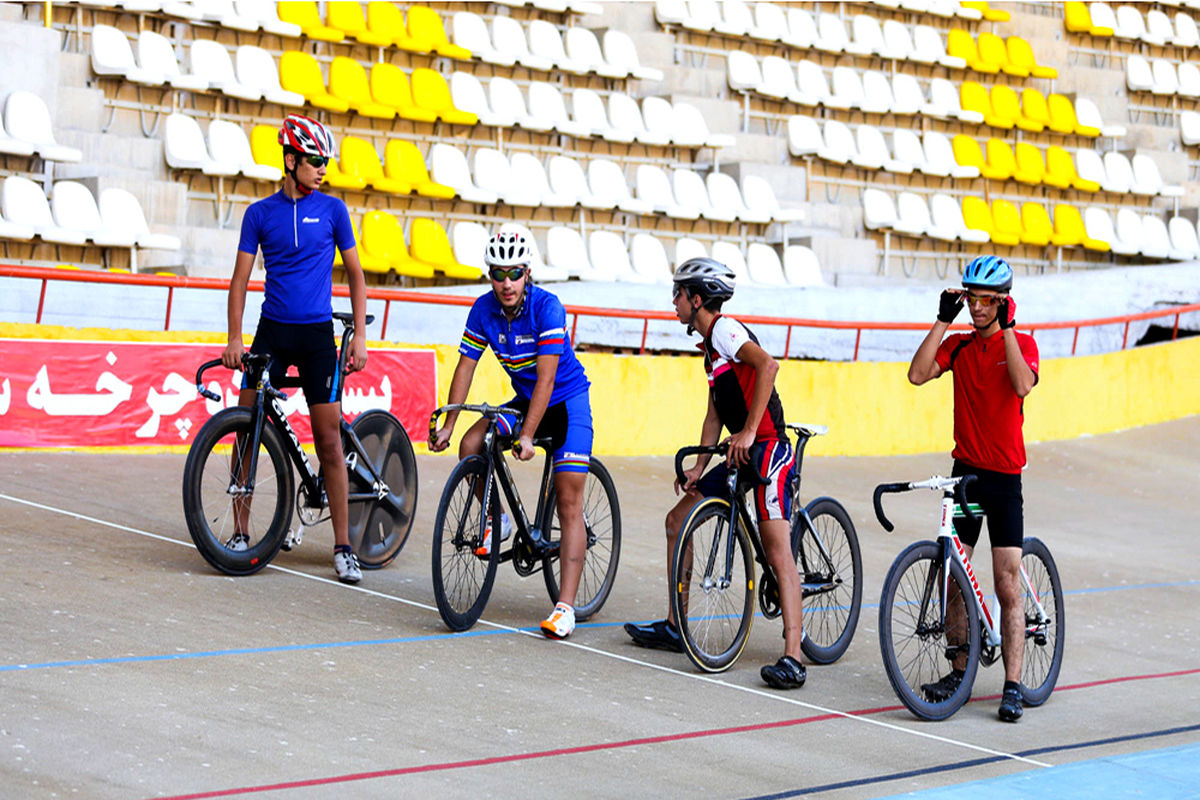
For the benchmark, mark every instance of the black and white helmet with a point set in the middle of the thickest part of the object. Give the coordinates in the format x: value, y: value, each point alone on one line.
x: 706, y: 277
x: 508, y: 249
x: 306, y: 136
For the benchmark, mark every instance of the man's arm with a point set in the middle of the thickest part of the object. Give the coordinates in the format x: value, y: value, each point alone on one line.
x: 236, y: 309
x: 358, y: 306
x: 924, y: 366
x: 710, y: 431
x: 547, y: 369
x: 460, y: 384
x: 1021, y: 375
x: 765, y: 369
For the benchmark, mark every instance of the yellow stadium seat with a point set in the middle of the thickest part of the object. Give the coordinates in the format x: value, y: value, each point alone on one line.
x: 359, y: 159
x: 425, y: 26
x: 976, y: 214
x: 989, y: 13
x: 348, y: 81
x: 1007, y: 223
x: 386, y: 19
x: 1000, y: 161
x: 369, y: 261
x: 1062, y: 114
x: 1034, y: 107
x: 1020, y: 54
x: 431, y: 92
x: 391, y: 87
x: 383, y: 237
x: 1061, y: 172
x: 339, y: 180
x: 264, y: 146
x: 968, y: 154
x: 992, y: 50
x: 300, y: 72
x: 1077, y: 17
x: 348, y: 18
x: 306, y: 15
x: 1007, y: 106
x: 1069, y: 230
x: 1035, y: 224
x: 431, y: 245
x: 1031, y: 166
x: 973, y: 96
x: 403, y: 161
x: 959, y: 43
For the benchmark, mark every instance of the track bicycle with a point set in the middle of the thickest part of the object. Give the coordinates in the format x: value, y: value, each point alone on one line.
x: 462, y: 578
x: 238, y: 484
x: 713, y: 572
x: 932, y: 610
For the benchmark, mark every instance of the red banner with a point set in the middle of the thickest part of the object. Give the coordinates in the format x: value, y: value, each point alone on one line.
x: 56, y: 393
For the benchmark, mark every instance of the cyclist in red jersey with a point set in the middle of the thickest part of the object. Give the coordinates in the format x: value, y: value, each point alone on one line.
x: 742, y: 399
x: 994, y: 367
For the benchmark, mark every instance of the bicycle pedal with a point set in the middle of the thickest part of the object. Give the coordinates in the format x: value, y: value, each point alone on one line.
x: 293, y: 539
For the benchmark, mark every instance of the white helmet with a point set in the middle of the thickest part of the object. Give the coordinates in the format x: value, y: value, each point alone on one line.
x: 706, y: 277
x: 306, y: 136
x: 508, y: 249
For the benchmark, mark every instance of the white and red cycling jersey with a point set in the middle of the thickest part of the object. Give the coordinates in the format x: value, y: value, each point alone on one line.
x: 731, y: 381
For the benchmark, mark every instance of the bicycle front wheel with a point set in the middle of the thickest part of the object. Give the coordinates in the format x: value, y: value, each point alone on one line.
x: 919, y: 642
x: 1044, y: 633
x: 463, y: 580
x: 712, y: 586
x: 238, y: 520
x: 830, y: 566
x: 380, y: 528
x: 602, y: 522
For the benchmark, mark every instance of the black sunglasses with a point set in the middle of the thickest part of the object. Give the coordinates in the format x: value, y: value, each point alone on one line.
x: 317, y: 161
x: 513, y: 274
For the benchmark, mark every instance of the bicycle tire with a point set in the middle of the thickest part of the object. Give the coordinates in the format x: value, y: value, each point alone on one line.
x: 832, y: 599
x: 209, y: 507
x: 912, y: 658
x: 602, y: 518
x: 462, y: 581
x: 379, y: 532
x: 714, y: 620
x: 1042, y: 662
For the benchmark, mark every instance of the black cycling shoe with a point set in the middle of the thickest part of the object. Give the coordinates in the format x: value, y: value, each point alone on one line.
x: 786, y: 673
x: 1011, y: 706
x: 661, y: 635
x: 942, y: 689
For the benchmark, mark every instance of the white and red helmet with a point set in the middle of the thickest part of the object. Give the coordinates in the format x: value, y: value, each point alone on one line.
x: 306, y: 136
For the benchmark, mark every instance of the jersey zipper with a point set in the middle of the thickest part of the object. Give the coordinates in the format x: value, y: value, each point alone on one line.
x: 295, y: 229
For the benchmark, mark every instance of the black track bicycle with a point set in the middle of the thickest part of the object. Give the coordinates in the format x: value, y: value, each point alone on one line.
x: 463, y: 576
x: 713, y: 572
x: 238, y: 485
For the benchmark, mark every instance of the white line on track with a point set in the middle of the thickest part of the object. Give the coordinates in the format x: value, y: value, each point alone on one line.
x: 585, y: 648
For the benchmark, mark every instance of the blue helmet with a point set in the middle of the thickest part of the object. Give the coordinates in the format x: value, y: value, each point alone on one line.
x: 988, y: 272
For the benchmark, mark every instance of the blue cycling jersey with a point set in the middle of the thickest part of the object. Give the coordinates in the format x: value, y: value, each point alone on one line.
x: 297, y: 238
x: 540, y: 328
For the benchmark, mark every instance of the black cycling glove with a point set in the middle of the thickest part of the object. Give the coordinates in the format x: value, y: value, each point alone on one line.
x: 1006, y: 313
x: 950, y: 303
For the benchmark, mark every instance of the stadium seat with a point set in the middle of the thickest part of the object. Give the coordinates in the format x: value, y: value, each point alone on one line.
x: 652, y: 185
x: 912, y: 215
x: 227, y: 143
x: 690, y: 130
x: 390, y: 86
x: 1189, y: 80
x: 731, y: 256
x: 468, y: 94
x: 1020, y: 55
x: 940, y: 158
x: 264, y: 147
x: 358, y: 158
x: 1131, y: 236
x: 985, y: 10
x: 1118, y: 173
x: 897, y: 41
x: 469, y: 242
x: 839, y: 142
x: 383, y: 239
x: 427, y: 33
x: 1077, y: 18
x: 470, y: 33
x: 120, y: 212
x: 1036, y: 228
x: 831, y: 33
x: 1030, y: 164
x: 906, y: 149
x: 801, y: 29
x: 688, y: 248
x: 112, y: 55
x: 546, y: 42
x: 566, y: 251
x: 504, y: 98
x: 340, y: 180
x: 1103, y: 20
x: 348, y: 82
x: 975, y: 97
x: 620, y: 52
x: 24, y: 204
x: 804, y: 136
x: 567, y: 179
x: 1007, y: 106
x: 300, y: 73
x: 256, y: 68
x: 493, y: 173
x: 156, y: 54
x: 649, y: 258
x: 306, y: 15
x: 968, y: 153
x: 265, y: 13
x: 800, y: 267
x: 1156, y: 241
x: 386, y: 19
x: 368, y: 261
x: 590, y: 119
x: 430, y: 92
x: 583, y: 48
x: 1034, y: 108
x: 944, y: 103
x: 1147, y: 176
x: 528, y: 170
x: 430, y: 244
x: 977, y: 216
x: 509, y: 37
x: 1189, y: 127
x: 846, y: 89
x: 609, y: 188
x: 404, y: 162
x: 1099, y: 228
x: 724, y: 194
x: 184, y: 147
x: 866, y: 36
x: 877, y: 93
x: 1090, y: 167
x: 348, y: 17
x: 1183, y: 238
x: 947, y: 215
x: 546, y: 105
x: 879, y: 211
x: 1186, y: 33
x: 625, y: 115
x: 1060, y: 171
x: 811, y: 84
x: 1139, y: 76
x: 210, y: 62
x: 1130, y: 24
x: 688, y: 183
x: 907, y: 97
x: 448, y: 167
x: 1068, y: 228
x: 607, y: 253
x: 13, y: 146
x: 73, y: 207
x: 27, y: 119
x: 928, y: 48
x: 992, y: 50
x: 743, y: 74
x: 1062, y: 115
x: 959, y: 44
x: 1166, y: 78
x: 1089, y: 123
x: 763, y: 265
x: 760, y: 197
x: 1006, y: 220
x: 872, y: 153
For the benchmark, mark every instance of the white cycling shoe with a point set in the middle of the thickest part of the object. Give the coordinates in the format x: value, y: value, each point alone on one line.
x: 561, y: 622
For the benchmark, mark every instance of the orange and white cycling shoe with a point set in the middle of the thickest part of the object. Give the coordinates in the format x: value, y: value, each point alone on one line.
x: 506, y: 529
x: 560, y: 623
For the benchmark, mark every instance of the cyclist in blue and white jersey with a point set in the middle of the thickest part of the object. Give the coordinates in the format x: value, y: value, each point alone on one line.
x: 525, y: 326
x: 297, y: 229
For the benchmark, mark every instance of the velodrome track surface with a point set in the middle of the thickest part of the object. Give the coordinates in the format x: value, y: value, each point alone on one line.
x: 131, y: 669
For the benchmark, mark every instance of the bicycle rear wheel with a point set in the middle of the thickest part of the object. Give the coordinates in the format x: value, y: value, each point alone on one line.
x: 830, y: 566
x: 220, y: 510
x: 462, y: 581
x: 602, y: 520
x: 1044, y: 637
x: 712, y: 586
x: 917, y: 640
x: 379, y: 530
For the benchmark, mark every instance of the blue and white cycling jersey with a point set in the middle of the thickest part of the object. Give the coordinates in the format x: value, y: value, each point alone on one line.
x: 540, y: 328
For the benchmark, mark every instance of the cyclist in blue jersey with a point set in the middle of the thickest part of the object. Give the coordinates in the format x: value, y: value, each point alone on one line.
x: 525, y: 326
x: 297, y: 229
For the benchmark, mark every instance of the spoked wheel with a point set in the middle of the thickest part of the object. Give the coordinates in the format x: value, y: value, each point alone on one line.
x: 1044, y: 632
x: 379, y: 528
x: 918, y: 641
x: 712, y: 586
x: 830, y: 566
x: 238, y: 529
x: 463, y: 580
x: 602, y: 521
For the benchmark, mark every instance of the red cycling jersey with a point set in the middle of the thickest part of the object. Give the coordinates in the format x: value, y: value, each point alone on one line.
x: 988, y: 415
x: 732, y: 382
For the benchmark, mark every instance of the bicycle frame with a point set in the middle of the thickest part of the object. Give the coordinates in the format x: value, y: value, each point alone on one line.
x: 499, y: 472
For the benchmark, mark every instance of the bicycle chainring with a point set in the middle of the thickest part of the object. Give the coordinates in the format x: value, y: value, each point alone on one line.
x: 524, y: 561
x: 768, y: 596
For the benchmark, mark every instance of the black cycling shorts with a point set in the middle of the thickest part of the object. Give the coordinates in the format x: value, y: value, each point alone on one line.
x: 999, y: 494
x: 308, y: 347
